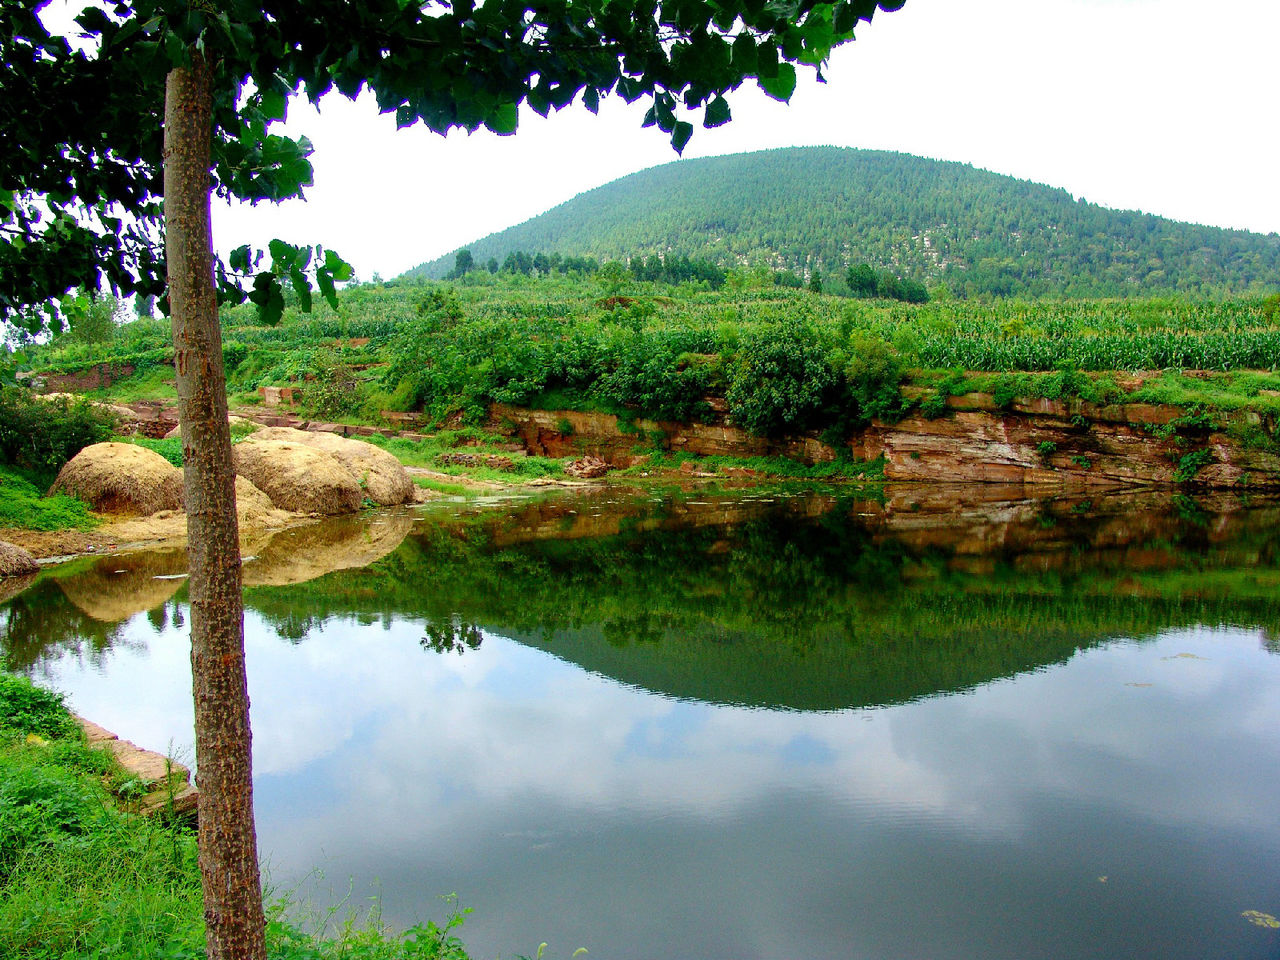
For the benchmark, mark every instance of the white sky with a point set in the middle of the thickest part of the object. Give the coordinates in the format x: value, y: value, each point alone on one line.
x: 1167, y: 106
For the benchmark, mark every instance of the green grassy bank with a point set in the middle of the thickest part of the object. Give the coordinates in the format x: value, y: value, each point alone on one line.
x: 82, y: 878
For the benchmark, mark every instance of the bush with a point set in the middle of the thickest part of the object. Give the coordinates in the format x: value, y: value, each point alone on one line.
x: 782, y: 379
x: 873, y: 375
x: 26, y: 708
x: 39, y: 436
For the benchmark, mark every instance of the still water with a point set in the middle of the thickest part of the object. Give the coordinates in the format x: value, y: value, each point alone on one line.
x: 935, y: 724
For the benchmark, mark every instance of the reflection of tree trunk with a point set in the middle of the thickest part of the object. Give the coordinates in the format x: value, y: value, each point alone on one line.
x: 228, y: 845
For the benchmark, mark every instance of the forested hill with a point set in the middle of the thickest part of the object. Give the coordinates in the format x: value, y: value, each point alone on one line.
x: 828, y: 208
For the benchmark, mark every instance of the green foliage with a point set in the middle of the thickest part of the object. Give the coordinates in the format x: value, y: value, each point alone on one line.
x: 1191, y: 464
x: 41, y: 435
x: 21, y: 505
x: 873, y: 374
x: 333, y: 391
x: 168, y: 447
x: 26, y: 708
x: 782, y: 380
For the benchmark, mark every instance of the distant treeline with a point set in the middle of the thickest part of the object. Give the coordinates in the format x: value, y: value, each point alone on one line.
x: 860, y: 280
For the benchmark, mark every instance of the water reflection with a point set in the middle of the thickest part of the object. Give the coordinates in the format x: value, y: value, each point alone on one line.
x: 767, y: 727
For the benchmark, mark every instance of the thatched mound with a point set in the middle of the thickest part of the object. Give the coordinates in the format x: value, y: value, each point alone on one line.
x: 16, y: 562
x: 379, y: 474
x: 254, y: 508
x: 297, y: 477
x: 121, y: 479
x: 233, y: 421
x: 344, y: 543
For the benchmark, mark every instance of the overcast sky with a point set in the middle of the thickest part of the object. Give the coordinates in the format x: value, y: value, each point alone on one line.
x: 1167, y: 106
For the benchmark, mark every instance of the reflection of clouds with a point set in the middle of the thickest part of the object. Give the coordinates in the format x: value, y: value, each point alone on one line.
x: 508, y: 771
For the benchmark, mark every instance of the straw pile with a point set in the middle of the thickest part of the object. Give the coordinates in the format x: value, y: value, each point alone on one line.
x: 297, y: 477
x: 378, y: 473
x: 121, y: 479
x: 16, y: 562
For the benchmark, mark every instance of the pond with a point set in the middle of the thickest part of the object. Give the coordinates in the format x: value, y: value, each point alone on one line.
x: 937, y: 722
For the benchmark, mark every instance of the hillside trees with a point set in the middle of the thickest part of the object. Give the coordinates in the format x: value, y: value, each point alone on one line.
x: 84, y: 168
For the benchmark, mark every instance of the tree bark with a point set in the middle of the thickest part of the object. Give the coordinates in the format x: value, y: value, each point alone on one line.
x: 227, y: 837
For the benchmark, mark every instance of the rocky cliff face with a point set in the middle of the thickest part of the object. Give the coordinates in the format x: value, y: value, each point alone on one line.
x: 1068, y: 444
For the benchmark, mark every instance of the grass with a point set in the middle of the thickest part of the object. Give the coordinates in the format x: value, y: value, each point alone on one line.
x: 80, y: 880
x: 21, y: 505
x: 779, y: 467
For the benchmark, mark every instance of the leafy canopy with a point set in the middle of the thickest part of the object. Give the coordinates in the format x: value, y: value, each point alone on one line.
x: 80, y: 164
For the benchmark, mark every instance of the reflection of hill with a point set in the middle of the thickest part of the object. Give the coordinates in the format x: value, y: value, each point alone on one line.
x: 820, y: 603
x: 814, y: 602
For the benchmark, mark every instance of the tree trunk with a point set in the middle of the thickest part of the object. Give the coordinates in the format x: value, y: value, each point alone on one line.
x: 228, y: 842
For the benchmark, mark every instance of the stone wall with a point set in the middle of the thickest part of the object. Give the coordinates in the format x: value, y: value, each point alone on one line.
x: 98, y: 377
x: 1068, y: 444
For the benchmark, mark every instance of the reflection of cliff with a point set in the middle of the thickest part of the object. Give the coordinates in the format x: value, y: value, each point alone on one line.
x: 810, y: 602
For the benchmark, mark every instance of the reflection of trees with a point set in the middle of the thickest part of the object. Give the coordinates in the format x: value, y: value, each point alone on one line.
x: 450, y: 636
x: 40, y: 626
x: 807, y: 603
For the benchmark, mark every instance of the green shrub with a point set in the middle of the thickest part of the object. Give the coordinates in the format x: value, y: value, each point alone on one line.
x: 169, y: 447
x: 39, y: 436
x: 22, y: 506
x: 782, y: 380
x: 874, y: 374
x: 26, y: 708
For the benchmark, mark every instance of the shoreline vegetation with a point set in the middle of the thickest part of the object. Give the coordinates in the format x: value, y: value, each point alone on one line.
x: 430, y: 362
x: 83, y: 876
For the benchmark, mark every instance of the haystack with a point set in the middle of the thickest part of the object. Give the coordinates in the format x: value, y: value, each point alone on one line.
x: 232, y: 420
x: 121, y: 479
x: 379, y: 474
x: 255, y: 510
x: 16, y: 562
x: 297, y: 477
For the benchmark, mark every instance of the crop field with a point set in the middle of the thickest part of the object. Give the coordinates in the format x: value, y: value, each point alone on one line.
x: 782, y: 358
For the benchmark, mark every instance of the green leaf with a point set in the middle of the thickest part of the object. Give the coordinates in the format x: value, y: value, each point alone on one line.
x: 680, y: 135
x: 717, y: 113
x: 239, y: 259
x: 302, y: 287
x: 783, y: 85
x: 325, y: 282
x: 282, y: 255
x: 591, y: 99
x: 338, y: 268
x: 274, y: 104
x: 503, y: 120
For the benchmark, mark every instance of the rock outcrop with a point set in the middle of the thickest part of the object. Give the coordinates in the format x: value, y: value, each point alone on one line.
x: 1066, y: 444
